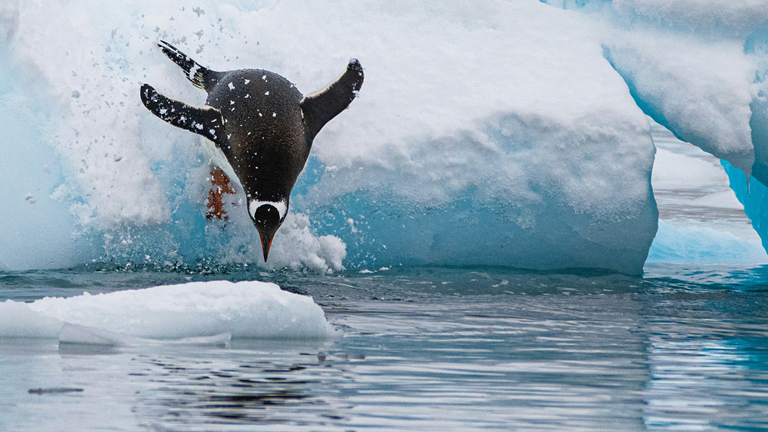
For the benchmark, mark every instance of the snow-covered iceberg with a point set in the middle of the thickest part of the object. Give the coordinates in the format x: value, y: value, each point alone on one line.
x: 700, y: 69
x: 197, y: 312
x: 487, y: 133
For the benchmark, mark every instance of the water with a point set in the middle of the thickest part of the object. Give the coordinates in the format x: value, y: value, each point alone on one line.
x: 423, y: 349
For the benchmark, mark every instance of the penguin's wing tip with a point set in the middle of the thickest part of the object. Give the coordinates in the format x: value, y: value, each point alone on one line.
x: 206, y: 121
x: 202, y: 77
x: 323, y: 105
x: 148, y: 94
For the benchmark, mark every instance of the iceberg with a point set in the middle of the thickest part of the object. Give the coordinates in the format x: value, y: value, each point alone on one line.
x: 498, y: 133
x: 193, y: 313
x: 700, y: 69
x: 491, y: 133
x: 695, y: 68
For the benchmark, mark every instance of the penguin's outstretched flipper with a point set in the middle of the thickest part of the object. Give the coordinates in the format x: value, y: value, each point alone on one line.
x: 206, y: 121
x: 200, y: 76
x: 323, y: 105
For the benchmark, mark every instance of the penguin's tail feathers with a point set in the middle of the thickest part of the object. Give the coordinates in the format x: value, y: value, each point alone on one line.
x: 202, y: 77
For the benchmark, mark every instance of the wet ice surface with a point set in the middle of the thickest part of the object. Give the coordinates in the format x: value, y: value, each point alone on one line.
x: 424, y: 349
x: 692, y: 189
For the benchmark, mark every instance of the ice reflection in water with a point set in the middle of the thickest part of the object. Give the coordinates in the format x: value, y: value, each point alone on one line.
x: 431, y: 349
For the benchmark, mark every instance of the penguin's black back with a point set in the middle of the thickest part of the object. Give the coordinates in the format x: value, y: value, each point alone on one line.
x: 265, y: 137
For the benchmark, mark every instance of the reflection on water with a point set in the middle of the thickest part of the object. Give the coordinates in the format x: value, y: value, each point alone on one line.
x: 236, y: 392
x: 425, y: 349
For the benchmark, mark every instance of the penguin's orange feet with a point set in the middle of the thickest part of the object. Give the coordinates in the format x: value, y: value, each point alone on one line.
x: 220, y: 185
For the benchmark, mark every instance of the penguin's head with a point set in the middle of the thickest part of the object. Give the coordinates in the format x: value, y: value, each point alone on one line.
x: 267, y: 217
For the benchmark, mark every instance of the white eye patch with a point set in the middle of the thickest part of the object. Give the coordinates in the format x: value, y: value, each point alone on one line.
x: 281, y: 206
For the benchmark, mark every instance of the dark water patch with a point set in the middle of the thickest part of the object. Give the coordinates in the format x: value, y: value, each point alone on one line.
x: 54, y: 390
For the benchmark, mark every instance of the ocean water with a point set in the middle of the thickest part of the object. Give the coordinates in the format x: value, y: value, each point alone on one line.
x: 681, y: 348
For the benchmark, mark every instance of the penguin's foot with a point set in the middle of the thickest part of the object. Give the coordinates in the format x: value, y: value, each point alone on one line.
x: 220, y: 185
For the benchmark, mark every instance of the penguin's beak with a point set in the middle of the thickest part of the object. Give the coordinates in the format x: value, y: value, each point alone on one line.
x: 266, y: 219
x: 266, y: 242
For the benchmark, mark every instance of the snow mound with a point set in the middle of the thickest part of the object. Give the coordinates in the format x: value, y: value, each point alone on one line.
x: 198, y: 313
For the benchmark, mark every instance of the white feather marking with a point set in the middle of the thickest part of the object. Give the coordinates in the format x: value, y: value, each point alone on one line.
x: 192, y: 71
x: 281, y: 207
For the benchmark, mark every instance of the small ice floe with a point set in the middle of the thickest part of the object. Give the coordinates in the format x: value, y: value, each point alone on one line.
x: 231, y: 86
x: 196, y: 313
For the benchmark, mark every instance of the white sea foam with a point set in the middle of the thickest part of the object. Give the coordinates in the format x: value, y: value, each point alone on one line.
x: 194, y: 313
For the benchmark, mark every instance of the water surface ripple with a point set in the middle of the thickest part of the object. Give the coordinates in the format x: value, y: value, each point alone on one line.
x: 423, y: 349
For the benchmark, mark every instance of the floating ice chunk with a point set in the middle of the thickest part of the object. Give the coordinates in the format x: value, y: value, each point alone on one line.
x: 196, y: 313
x: 18, y: 320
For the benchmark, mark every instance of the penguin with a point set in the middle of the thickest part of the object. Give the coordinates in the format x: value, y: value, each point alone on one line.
x: 262, y: 125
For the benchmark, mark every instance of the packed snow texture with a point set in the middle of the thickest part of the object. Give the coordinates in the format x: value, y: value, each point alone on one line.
x: 486, y: 133
x: 696, y: 67
x: 198, y: 312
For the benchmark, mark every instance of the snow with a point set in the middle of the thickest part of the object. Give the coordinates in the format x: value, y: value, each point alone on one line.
x: 193, y: 313
x: 686, y: 65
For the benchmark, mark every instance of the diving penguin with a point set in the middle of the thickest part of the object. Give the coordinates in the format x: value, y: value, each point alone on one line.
x: 261, y: 123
